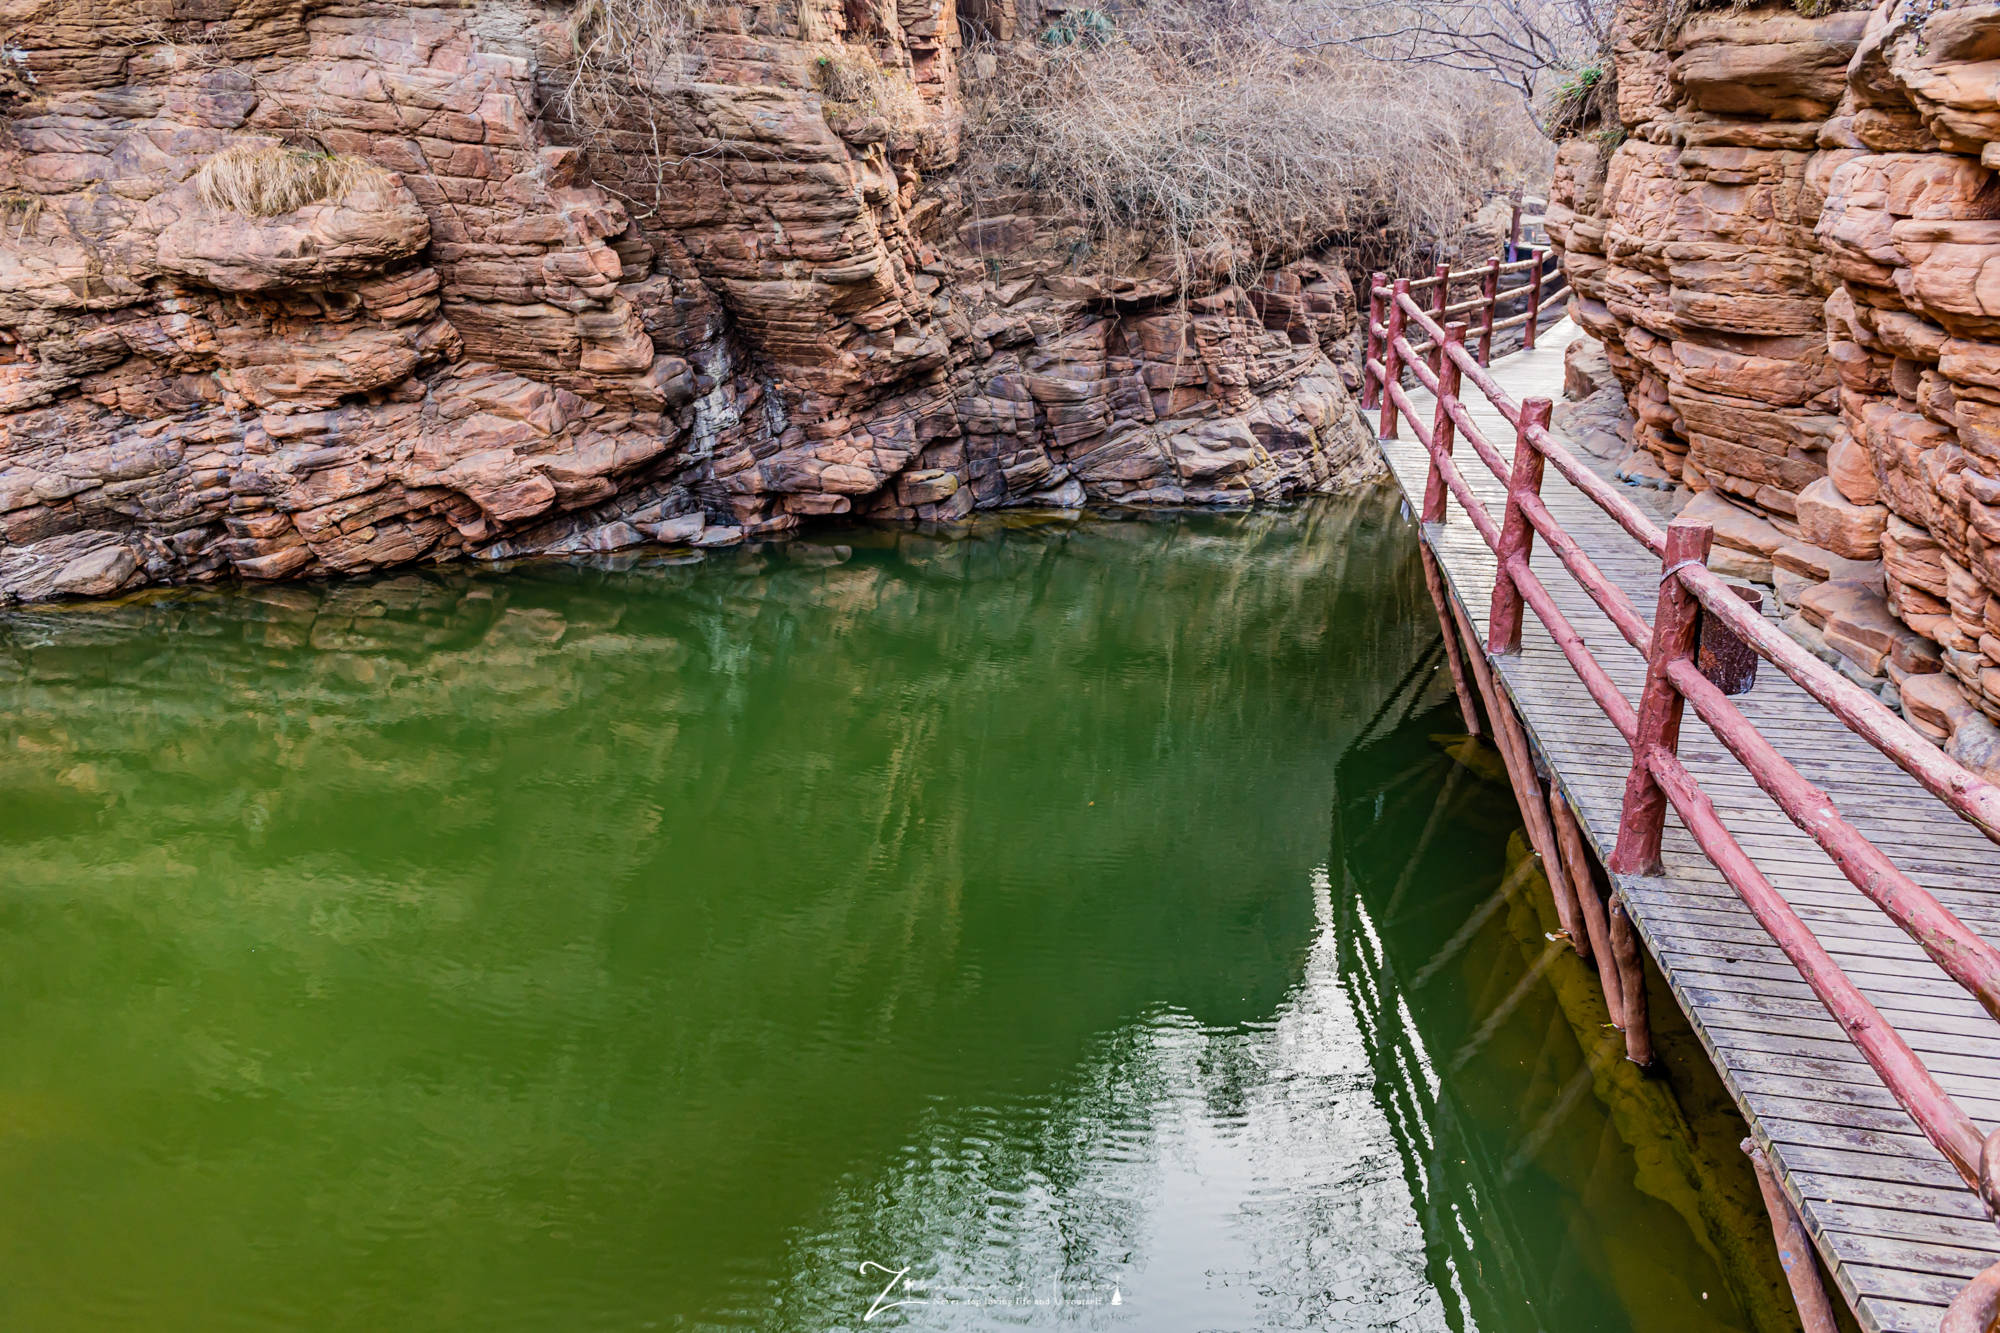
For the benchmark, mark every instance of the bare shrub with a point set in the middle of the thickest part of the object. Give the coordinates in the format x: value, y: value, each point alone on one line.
x: 627, y: 58
x: 264, y: 180
x: 1192, y: 121
x: 1518, y: 44
x: 855, y: 84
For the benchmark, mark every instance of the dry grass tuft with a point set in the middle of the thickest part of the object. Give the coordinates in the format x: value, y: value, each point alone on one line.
x: 265, y: 180
x: 1569, y: 102
x: 19, y: 212
x: 1187, y: 120
x: 855, y: 84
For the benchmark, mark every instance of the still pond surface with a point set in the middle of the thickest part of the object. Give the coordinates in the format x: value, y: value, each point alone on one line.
x: 1081, y: 924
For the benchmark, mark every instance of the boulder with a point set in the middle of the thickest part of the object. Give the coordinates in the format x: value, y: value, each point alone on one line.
x: 1828, y: 519
x: 1855, y: 621
x: 1851, y: 469
x: 323, y: 243
x: 1819, y: 565
x: 1735, y: 526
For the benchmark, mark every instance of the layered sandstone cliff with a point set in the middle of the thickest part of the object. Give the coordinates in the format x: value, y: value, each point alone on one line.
x: 500, y: 332
x: 1790, y: 248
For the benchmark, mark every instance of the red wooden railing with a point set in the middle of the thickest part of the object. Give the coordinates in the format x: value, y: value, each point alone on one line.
x: 1485, y: 303
x: 1688, y: 592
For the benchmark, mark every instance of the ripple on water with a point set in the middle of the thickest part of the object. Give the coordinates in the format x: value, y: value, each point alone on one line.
x: 655, y: 945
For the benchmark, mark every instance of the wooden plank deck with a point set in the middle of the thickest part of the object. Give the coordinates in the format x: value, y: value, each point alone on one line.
x: 1896, y: 1226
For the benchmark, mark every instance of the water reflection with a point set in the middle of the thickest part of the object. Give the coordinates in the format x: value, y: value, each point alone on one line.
x: 1540, y: 1159
x: 651, y: 945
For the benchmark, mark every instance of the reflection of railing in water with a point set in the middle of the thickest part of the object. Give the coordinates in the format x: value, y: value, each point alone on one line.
x: 1510, y: 1099
x: 1700, y: 624
x: 1407, y: 1083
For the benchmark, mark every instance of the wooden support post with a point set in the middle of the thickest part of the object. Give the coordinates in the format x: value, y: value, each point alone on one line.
x: 1590, y: 907
x: 1489, y: 293
x: 1631, y: 962
x: 1520, y: 761
x: 1517, y: 537
x: 1443, y: 430
x: 1440, y: 298
x: 1371, y: 345
x: 1795, y: 1252
x: 1392, y: 370
x: 1676, y: 619
x: 1453, y: 655
x: 1534, y: 299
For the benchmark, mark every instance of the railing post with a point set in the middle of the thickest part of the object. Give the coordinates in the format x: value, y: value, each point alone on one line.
x: 1442, y: 429
x: 1392, y: 370
x: 1489, y: 291
x: 1675, y: 622
x: 1517, y: 535
x: 1378, y: 285
x: 1518, y: 755
x: 1631, y: 965
x: 1452, y: 653
x: 1795, y: 1251
x: 1534, y: 299
x: 1439, y: 300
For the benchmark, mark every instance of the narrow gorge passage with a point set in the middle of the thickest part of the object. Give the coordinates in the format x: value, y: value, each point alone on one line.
x: 1082, y: 923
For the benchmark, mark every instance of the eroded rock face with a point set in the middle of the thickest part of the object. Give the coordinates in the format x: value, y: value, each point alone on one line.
x: 753, y: 307
x: 1793, y: 259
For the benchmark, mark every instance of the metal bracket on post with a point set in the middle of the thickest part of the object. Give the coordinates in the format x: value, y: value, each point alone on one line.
x: 1517, y: 535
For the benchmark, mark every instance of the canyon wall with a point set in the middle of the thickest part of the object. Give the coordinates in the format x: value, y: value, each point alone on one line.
x: 1790, y: 249
x: 766, y: 294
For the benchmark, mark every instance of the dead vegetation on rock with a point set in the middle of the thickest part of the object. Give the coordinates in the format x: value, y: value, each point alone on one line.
x: 1194, y: 121
x: 265, y: 180
x: 856, y: 87
x: 626, y: 61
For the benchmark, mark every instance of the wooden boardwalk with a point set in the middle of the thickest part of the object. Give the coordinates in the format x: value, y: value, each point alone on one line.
x: 1894, y: 1223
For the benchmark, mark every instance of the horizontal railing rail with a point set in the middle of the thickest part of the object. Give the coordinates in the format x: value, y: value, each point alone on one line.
x: 1658, y: 779
x: 1537, y: 296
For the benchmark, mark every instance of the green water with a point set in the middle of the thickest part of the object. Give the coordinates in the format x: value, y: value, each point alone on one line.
x: 1031, y: 911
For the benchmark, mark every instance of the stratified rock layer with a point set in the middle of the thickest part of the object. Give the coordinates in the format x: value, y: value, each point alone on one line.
x: 1793, y: 260
x: 491, y: 347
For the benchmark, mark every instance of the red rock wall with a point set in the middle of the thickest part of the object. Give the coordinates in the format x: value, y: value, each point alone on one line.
x: 1793, y: 259
x: 757, y: 308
